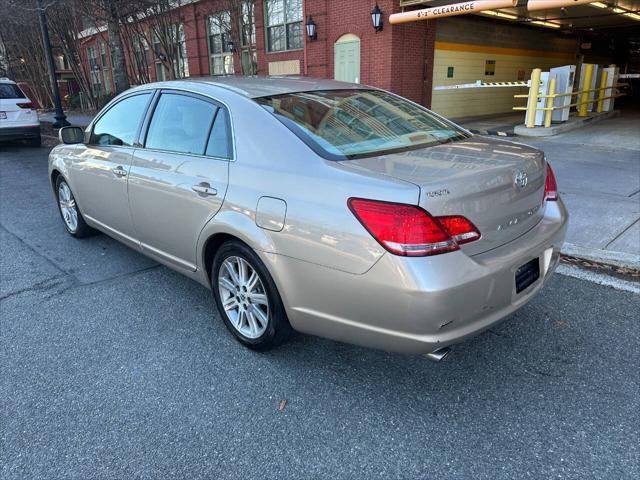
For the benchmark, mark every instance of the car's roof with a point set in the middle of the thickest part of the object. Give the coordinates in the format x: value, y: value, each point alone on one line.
x: 6, y: 80
x: 258, y: 86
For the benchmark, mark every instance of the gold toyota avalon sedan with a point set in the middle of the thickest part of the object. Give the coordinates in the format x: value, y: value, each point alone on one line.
x: 317, y: 206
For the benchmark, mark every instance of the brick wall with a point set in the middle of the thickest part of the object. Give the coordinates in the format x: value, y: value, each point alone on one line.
x: 399, y: 58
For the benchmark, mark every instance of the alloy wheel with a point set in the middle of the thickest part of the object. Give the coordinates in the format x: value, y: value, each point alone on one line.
x: 68, y: 207
x: 243, y: 296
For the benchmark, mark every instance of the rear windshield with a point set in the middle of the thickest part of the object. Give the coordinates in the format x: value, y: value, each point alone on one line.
x: 9, y: 90
x: 349, y: 124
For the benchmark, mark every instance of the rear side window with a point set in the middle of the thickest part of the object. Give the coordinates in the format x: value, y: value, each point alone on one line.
x: 180, y: 124
x: 119, y: 125
x: 9, y: 90
x: 220, y: 141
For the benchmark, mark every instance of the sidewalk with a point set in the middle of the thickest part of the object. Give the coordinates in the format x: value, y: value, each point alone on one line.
x: 74, y: 118
x: 598, y: 173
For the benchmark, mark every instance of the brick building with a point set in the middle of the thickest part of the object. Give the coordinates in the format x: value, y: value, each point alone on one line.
x: 398, y: 58
x: 409, y: 59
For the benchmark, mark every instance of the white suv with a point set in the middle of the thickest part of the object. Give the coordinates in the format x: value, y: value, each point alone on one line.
x: 18, y: 117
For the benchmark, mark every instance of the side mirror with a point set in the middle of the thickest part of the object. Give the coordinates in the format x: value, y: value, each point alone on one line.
x: 71, y: 135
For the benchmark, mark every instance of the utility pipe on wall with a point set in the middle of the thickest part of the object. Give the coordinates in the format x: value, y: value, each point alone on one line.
x: 450, y: 10
x: 533, y: 5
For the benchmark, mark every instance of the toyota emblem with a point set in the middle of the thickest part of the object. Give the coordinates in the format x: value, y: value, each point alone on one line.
x: 521, y: 180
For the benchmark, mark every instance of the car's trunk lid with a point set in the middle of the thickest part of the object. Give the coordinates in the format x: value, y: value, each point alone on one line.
x: 498, y: 185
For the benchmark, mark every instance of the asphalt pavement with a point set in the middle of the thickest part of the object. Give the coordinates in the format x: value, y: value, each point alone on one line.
x: 112, y: 367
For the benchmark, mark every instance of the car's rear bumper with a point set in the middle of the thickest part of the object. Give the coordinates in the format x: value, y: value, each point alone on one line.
x: 19, y: 133
x: 417, y: 305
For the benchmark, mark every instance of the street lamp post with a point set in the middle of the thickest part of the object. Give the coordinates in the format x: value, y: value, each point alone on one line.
x: 61, y: 118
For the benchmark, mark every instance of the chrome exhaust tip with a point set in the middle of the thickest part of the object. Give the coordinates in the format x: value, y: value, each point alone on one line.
x: 438, y: 355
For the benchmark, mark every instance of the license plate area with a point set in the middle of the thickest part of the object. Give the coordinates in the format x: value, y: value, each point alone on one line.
x: 527, y: 274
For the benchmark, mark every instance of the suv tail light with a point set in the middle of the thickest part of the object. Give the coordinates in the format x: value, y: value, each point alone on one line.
x: 408, y: 230
x: 550, y: 186
x: 25, y: 105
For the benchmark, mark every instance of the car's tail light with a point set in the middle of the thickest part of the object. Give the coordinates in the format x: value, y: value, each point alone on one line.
x: 459, y: 228
x: 409, y: 230
x: 25, y: 105
x: 550, y: 186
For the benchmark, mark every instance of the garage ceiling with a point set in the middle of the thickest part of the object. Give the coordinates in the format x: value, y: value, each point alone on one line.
x: 593, y: 16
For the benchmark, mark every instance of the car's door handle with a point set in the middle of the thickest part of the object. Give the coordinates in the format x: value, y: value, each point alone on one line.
x: 204, y: 189
x: 119, y: 171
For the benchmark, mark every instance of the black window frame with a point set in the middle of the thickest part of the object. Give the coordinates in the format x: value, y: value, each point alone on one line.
x: 284, y: 24
x: 110, y: 106
x: 220, y: 108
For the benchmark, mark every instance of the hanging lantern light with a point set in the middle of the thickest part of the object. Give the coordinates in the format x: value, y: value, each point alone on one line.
x: 311, y: 29
x: 376, y: 18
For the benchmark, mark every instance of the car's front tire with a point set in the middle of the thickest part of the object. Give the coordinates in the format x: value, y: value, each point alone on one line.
x: 69, y: 211
x: 247, y: 298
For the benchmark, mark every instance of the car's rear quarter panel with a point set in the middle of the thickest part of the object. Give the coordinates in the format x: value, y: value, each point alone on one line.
x: 318, y: 228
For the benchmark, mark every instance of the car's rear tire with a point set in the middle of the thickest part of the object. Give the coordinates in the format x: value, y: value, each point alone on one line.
x: 69, y: 211
x: 247, y: 298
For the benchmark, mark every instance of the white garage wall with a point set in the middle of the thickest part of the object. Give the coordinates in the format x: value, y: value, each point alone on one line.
x: 466, y: 43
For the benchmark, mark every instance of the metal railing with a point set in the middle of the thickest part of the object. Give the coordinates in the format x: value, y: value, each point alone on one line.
x: 583, y: 101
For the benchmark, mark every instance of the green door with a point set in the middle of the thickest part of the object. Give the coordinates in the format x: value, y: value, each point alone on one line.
x: 346, y: 55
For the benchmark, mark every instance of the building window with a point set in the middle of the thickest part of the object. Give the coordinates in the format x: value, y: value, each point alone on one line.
x: 94, y: 70
x: 248, y: 25
x: 107, y: 82
x: 179, y: 47
x: 219, y: 34
x: 141, y: 55
x: 249, y: 62
x: 161, y: 74
x: 284, y: 24
x: 103, y: 54
x: 248, y: 56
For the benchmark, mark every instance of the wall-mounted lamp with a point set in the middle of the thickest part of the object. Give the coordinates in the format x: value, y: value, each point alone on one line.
x: 312, y: 32
x: 376, y: 18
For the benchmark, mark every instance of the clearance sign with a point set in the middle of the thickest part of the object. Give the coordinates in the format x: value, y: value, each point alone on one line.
x: 450, y: 10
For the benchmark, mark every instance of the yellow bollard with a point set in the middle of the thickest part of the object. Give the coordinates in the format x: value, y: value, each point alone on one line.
x: 603, y: 89
x: 532, y: 102
x: 583, y: 105
x: 550, y: 99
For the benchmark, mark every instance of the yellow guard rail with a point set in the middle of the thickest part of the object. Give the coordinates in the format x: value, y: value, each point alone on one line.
x: 582, y: 103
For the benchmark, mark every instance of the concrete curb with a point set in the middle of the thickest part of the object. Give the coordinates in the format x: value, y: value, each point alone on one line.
x: 618, y: 259
x: 573, y: 124
x: 50, y: 140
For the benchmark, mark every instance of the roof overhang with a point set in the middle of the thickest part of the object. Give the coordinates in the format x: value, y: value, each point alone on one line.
x: 585, y: 15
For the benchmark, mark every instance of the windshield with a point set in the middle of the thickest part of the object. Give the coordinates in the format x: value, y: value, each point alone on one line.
x: 348, y: 124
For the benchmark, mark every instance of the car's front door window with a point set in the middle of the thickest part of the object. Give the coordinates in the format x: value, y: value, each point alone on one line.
x: 118, y: 126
